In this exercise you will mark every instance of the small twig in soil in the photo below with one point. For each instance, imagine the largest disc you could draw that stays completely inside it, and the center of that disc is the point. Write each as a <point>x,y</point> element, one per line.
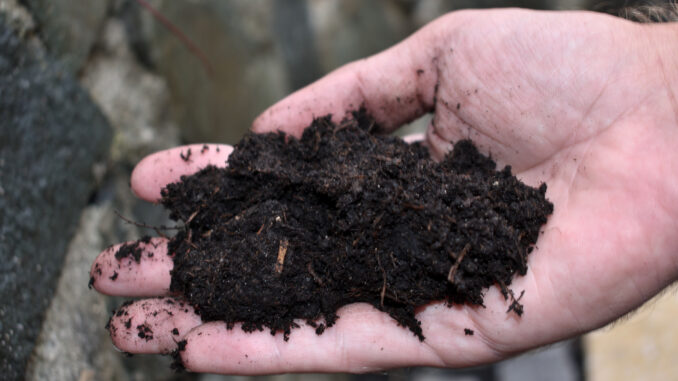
<point>187,156</point>
<point>314,275</point>
<point>191,217</point>
<point>383,285</point>
<point>157,229</point>
<point>261,228</point>
<point>455,266</point>
<point>282,251</point>
<point>189,240</point>
<point>413,206</point>
<point>515,305</point>
<point>504,289</point>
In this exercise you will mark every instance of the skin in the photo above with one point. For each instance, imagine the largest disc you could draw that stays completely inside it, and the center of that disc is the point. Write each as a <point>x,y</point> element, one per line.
<point>584,102</point>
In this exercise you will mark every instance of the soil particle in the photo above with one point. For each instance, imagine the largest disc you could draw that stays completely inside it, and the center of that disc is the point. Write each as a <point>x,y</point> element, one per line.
<point>175,332</point>
<point>122,310</point>
<point>297,228</point>
<point>178,365</point>
<point>468,332</point>
<point>145,332</point>
<point>114,276</point>
<point>133,250</point>
<point>186,157</point>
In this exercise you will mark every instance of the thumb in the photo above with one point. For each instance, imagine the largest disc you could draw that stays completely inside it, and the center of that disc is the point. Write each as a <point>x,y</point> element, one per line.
<point>395,86</point>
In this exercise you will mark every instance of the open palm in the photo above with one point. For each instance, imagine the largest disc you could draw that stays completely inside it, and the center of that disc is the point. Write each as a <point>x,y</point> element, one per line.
<point>583,102</point>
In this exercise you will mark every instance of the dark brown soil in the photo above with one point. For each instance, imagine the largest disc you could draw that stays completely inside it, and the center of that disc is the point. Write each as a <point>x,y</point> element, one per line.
<point>133,250</point>
<point>297,228</point>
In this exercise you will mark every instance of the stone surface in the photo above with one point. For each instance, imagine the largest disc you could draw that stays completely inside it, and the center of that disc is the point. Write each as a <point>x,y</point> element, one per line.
<point>554,363</point>
<point>135,101</point>
<point>73,344</point>
<point>291,26</point>
<point>17,18</point>
<point>248,72</point>
<point>50,136</point>
<point>348,30</point>
<point>642,346</point>
<point>68,28</point>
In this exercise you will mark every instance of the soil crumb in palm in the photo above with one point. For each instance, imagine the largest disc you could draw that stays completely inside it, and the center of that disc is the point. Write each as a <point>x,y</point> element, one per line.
<point>297,228</point>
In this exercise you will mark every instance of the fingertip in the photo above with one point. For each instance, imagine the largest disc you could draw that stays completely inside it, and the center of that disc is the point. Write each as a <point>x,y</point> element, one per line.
<point>395,86</point>
<point>157,170</point>
<point>145,271</point>
<point>151,325</point>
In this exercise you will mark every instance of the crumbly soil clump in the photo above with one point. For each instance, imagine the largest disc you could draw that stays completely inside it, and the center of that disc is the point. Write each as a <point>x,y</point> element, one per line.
<point>297,228</point>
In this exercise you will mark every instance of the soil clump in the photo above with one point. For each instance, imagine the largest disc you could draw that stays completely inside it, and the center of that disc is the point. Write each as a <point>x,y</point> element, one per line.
<point>297,228</point>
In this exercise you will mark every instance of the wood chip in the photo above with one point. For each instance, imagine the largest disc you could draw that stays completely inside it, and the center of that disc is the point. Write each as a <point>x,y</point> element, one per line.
<point>282,251</point>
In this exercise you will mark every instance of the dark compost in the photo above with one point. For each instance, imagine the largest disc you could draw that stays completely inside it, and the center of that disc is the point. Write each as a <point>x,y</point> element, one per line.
<point>296,228</point>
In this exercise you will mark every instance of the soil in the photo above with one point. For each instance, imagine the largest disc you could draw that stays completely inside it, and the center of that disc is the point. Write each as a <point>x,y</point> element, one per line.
<point>133,250</point>
<point>297,228</point>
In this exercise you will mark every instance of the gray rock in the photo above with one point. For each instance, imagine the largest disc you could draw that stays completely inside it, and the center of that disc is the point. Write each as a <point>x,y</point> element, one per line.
<point>348,30</point>
<point>68,28</point>
<point>73,344</point>
<point>248,72</point>
<point>135,101</point>
<point>291,25</point>
<point>555,363</point>
<point>17,17</point>
<point>50,135</point>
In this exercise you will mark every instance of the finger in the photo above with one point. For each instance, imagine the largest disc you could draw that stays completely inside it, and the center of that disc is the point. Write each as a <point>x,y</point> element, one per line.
<point>152,325</point>
<point>362,340</point>
<point>145,271</point>
<point>413,138</point>
<point>157,170</point>
<point>395,86</point>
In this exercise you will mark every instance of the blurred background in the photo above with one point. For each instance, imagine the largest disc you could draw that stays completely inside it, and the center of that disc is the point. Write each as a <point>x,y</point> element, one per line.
<point>88,88</point>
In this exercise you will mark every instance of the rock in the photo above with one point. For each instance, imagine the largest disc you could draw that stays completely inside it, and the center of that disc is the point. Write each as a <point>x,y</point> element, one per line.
<point>348,30</point>
<point>557,363</point>
<point>73,343</point>
<point>17,18</point>
<point>135,101</point>
<point>247,72</point>
<point>68,28</point>
<point>51,134</point>
<point>292,31</point>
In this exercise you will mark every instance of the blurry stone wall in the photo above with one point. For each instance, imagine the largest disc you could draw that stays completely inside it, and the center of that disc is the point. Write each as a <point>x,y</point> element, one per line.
<point>88,88</point>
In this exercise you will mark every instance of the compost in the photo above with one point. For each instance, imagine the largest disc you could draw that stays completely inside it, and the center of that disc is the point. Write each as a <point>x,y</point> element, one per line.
<point>295,228</point>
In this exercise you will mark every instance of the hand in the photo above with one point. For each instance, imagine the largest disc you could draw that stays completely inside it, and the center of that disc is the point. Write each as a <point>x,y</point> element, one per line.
<point>585,102</point>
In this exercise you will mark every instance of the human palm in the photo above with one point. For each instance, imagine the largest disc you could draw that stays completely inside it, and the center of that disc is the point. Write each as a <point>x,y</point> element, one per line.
<point>575,100</point>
